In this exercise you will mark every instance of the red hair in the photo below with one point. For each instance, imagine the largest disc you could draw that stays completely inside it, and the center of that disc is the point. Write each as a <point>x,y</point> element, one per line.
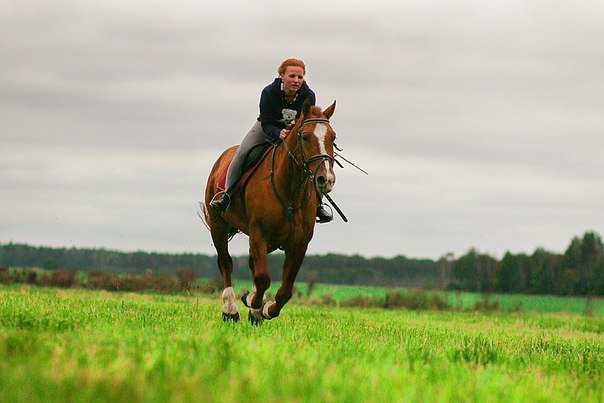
<point>291,62</point>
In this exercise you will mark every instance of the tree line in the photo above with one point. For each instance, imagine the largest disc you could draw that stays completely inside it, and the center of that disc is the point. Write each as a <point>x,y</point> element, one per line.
<point>578,271</point>
<point>331,268</point>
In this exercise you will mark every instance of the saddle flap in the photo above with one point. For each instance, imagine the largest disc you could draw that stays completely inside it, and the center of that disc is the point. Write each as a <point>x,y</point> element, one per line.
<point>253,160</point>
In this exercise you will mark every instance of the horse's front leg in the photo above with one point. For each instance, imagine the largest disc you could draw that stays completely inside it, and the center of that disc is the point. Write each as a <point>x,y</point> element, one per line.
<point>291,266</point>
<point>260,276</point>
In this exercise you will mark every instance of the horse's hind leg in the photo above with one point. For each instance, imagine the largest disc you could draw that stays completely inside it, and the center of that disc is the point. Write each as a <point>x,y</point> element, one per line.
<point>220,236</point>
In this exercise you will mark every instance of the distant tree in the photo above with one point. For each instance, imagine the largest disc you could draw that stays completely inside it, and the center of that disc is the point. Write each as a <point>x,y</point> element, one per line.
<point>50,264</point>
<point>445,266</point>
<point>514,274</point>
<point>547,271</point>
<point>474,272</point>
<point>581,264</point>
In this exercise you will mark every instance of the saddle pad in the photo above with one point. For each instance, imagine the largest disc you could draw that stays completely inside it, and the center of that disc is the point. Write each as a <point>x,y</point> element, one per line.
<point>246,175</point>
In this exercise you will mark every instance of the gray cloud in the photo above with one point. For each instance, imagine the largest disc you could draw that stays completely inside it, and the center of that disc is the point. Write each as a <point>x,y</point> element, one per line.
<point>480,123</point>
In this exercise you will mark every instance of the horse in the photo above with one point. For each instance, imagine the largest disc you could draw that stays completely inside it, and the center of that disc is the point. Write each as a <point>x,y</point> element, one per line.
<point>276,210</point>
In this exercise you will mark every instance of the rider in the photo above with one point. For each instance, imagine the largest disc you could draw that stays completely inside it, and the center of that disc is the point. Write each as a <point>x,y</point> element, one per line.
<point>280,104</point>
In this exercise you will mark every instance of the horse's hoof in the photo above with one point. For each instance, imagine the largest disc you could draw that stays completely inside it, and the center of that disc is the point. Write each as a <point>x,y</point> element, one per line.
<point>244,299</point>
<point>255,321</point>
<point>226,317</point>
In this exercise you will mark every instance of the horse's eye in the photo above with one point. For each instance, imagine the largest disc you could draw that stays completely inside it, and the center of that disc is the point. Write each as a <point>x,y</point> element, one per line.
<point>306,137</point>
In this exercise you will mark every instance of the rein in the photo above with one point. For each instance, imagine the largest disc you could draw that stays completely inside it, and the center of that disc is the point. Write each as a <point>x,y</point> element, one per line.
<point>289,209</point>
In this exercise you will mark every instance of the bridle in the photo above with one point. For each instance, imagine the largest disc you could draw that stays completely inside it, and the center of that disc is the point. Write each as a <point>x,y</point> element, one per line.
<point>303,164</point>
<point>316,157</point>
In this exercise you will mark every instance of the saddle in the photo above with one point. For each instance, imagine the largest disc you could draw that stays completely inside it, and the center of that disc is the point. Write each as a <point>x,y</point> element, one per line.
<point>252,161</point>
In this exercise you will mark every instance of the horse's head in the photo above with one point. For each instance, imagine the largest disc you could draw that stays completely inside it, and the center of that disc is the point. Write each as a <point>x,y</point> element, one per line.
<point>315,138</point>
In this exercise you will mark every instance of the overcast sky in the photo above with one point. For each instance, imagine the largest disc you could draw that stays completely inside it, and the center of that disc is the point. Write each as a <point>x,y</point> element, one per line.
<point>481,123</point>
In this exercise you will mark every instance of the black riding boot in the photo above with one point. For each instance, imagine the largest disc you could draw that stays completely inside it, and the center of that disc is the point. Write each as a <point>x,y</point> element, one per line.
<point>323,215</point>
<point>220,204</point>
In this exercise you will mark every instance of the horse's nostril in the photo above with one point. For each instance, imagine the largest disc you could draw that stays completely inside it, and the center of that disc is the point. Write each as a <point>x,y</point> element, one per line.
<point>321,180</point>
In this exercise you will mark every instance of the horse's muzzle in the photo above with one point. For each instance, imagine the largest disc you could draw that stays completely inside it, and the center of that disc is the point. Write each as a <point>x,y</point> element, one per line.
<point>325,182</point>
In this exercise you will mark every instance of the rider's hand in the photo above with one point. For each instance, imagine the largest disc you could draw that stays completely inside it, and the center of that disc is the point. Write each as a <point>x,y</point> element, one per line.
<point>283,134</point>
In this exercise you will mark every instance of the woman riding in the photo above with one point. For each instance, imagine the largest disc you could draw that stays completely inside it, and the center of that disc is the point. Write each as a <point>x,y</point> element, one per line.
<point>280,104</point>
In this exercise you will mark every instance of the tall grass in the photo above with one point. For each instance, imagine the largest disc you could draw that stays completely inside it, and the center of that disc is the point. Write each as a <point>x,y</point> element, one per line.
<point>81,345</point>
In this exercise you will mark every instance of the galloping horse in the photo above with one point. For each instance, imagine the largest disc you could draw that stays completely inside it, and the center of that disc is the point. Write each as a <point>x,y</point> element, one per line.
<point>276,210</point>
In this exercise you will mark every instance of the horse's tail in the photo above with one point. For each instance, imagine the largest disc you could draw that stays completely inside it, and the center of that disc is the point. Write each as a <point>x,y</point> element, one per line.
<point>204,215</point>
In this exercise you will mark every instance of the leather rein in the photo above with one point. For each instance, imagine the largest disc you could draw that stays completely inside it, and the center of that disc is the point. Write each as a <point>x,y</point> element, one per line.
<point>288,208</point>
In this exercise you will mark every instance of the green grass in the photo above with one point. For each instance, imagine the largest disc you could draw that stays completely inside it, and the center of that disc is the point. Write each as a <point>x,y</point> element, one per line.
<point>78,345</point>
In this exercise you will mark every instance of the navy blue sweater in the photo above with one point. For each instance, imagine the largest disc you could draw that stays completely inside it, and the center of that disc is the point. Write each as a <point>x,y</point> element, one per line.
<point>275,112</point>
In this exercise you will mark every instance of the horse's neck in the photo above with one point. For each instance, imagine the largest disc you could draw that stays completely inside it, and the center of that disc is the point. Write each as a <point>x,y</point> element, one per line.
<point>288,171</point>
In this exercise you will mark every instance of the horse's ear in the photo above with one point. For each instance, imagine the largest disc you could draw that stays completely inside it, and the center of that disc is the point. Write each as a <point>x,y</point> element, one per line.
<point>306,107</point>
<point>329,111</point>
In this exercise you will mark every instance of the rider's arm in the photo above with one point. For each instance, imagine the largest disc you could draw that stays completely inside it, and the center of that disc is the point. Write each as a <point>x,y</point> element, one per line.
<point>266,118</point>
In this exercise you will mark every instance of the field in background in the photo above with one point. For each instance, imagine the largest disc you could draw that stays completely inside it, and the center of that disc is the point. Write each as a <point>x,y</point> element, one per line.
<point>81,345</point>
<point>462,300</point>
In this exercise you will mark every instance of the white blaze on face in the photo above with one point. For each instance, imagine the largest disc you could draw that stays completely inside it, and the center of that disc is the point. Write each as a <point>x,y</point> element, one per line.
<point>321,133</point>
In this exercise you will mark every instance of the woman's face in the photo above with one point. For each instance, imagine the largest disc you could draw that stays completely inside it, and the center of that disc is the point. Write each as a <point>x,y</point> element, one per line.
<point>292,79</point>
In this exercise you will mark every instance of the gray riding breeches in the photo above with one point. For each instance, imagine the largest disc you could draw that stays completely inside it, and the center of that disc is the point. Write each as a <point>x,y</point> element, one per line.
<point>254,138</point>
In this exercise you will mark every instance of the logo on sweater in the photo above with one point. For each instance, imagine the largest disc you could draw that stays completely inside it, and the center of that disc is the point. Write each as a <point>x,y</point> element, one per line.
<point>288,115</point>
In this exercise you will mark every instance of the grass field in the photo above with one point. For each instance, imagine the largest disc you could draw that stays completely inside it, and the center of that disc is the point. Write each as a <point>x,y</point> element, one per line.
<point>78,345</point>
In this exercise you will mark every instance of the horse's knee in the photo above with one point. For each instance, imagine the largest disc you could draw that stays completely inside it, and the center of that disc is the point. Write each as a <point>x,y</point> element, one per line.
<point>262,281</point>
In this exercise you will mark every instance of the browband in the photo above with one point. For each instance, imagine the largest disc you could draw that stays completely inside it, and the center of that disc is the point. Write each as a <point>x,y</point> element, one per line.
<point>314,120</point>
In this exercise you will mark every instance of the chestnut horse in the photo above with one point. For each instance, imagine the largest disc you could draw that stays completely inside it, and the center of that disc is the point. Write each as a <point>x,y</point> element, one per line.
<point>277,210</point>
